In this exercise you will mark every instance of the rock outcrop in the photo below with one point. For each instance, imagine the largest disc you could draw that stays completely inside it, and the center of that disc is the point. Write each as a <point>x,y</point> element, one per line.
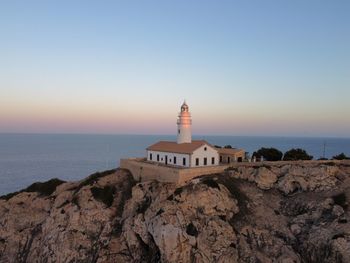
<point>267,213</point>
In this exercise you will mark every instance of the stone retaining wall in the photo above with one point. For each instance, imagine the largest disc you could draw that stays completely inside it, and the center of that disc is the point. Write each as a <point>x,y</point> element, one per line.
<point>144,171</point>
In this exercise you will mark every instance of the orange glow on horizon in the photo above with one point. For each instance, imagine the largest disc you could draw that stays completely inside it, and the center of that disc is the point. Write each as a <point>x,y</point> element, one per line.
<point>108,118</point>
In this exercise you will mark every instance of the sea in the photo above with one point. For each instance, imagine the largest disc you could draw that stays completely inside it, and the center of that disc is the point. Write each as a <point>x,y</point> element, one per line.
<point>29,158</point>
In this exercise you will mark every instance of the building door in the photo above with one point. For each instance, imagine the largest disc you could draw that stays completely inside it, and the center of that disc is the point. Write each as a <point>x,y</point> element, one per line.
<point>166,159</point>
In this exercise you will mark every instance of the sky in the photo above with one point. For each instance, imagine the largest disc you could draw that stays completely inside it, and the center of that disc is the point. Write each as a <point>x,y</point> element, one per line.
<point>270,68</point>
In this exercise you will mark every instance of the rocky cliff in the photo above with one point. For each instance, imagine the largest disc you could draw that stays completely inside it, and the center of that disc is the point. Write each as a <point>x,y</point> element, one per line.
<point>267,213</point>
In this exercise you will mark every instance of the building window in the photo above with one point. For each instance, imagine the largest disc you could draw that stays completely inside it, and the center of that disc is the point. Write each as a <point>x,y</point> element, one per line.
<point>205,161</point>
<point>212,160</point>
<point>184,161</point>
<point>174,159</point>
<point>150,156</point>
<point>228,159</point>
<point>178,131</point>
<point>205,148</point>
<point>197,161</point>
<point>220,158</point>
<point>157,157</point>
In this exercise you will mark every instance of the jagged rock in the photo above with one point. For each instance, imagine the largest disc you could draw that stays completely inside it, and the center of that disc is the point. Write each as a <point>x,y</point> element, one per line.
<point>291,178</point>
<point>342,246</point>
<point>265,178</point>
<point>268,213</point>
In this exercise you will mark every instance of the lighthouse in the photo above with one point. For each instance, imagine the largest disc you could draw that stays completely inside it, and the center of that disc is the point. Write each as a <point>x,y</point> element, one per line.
<point>184,123</point>
<point>187,153</point>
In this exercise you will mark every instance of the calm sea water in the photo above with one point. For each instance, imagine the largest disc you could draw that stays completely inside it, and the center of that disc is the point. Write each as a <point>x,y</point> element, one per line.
<point>28,158</point>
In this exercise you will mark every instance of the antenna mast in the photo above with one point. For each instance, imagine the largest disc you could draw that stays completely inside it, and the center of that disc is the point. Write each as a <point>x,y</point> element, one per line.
<point>324,149</point>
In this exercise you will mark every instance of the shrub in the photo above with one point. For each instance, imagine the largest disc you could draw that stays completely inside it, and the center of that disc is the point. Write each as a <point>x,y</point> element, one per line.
<point>105,194</point>
<point>9,196</point>
<point>93,178</point>
<point>44,188</point>
<point>341,156</point>
<point>269,154</point>
<point>296,154</point>
<point>210,183</point>
<point>228,146</point>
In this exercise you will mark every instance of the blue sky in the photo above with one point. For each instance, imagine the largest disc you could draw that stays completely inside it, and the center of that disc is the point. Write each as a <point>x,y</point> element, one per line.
<point>244,67</point>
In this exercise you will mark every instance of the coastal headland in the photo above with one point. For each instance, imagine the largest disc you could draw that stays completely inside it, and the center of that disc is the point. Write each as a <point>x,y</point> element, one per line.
<point>261,212</point>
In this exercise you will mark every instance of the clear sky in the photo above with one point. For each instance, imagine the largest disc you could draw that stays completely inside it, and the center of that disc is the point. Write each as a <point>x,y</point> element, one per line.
<point>244,67</point>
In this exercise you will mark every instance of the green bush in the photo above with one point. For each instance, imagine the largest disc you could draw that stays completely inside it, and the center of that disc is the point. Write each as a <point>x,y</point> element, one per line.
<point>9,195</point>
<point>44,188</point>
<point>341,156</point>
<point>269,154</point>
<point>296,154</point>
<point>91,179</point>
<point>105,194</point>
<point>210,183</point>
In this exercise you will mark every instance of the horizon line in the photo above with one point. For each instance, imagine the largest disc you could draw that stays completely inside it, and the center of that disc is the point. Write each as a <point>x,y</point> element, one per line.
<point>174,135</point>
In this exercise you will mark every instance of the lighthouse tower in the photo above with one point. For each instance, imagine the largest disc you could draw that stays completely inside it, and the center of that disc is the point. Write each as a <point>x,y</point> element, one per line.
<point>184,123</point>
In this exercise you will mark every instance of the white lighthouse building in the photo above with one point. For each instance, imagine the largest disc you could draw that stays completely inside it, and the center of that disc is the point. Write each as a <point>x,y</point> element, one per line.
<point>184,152</point>
<point>181,160</point>
<point>184,123</point>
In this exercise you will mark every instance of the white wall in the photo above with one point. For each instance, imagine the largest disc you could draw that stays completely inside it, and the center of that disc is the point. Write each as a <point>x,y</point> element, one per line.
<point>184,134</point>
<point>201,153</point>
<point>179,158</point>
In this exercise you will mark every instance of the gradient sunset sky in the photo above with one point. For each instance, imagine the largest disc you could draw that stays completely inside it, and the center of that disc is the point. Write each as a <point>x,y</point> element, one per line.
<point>244,67</point>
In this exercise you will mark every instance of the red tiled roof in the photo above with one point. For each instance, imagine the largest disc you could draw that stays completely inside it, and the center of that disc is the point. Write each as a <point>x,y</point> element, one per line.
<point>174,147</point>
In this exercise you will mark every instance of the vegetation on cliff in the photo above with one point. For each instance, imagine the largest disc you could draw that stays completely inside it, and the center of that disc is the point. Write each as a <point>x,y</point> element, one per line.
<point>283,212</point>
<point>340,156</point>
<point>269,154</point>
<point>296,154</point>
<point>43,188</point>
